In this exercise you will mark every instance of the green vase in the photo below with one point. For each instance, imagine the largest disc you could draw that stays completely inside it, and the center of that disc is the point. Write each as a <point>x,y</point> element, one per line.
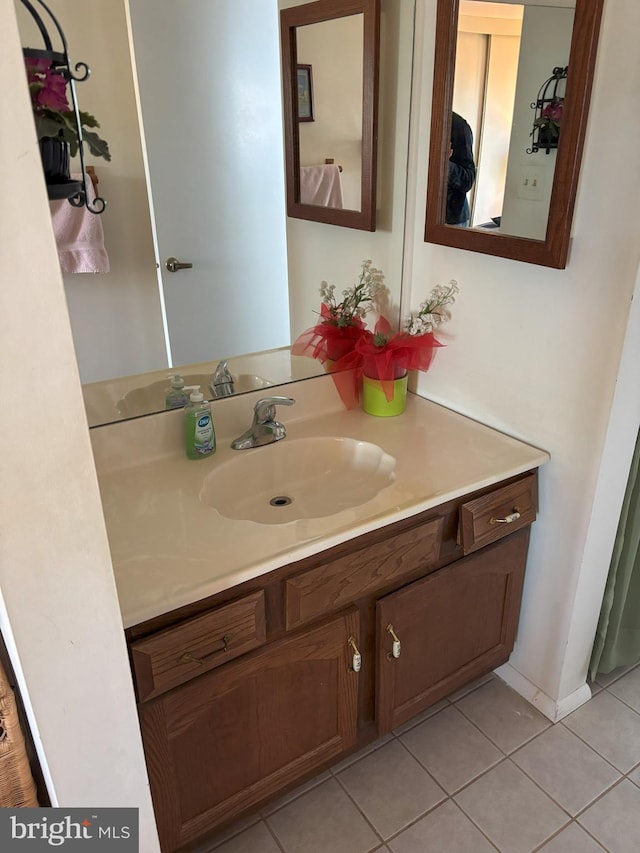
<point>374,400</point>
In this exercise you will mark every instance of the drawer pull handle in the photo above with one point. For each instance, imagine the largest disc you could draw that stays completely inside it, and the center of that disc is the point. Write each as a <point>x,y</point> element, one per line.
<point>508,519</point>
<point>190,657</point>
<point>357,657</point>
<point>394,654</point>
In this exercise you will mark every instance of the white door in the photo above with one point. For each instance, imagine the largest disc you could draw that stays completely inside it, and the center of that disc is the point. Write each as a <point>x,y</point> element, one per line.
<point>208,75</point>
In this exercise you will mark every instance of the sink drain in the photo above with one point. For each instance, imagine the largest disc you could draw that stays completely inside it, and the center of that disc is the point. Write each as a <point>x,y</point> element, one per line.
<point>280,500</point>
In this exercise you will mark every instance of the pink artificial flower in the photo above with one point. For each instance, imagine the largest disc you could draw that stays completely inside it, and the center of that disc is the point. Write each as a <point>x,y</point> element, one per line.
<point>36,67</point>
<point>48,87</point>
<point>553,111</point>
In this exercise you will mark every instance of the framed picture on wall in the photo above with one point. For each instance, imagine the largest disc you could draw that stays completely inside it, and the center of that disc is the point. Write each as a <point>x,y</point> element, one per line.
<point>305,93</point>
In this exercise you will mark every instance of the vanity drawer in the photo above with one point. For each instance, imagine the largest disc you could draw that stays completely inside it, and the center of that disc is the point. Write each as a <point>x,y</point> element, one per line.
<point>498,514</point>
<point>338,582</point>
<point>197,645</point>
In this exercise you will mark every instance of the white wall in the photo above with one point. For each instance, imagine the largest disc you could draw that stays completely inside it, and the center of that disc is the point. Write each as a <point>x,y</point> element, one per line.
<point>535,352</point>
<point>59,612</point>
<point>115,316</point>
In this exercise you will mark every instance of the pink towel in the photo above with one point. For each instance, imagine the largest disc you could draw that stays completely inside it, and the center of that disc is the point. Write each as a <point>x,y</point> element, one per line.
<point>79,236</point>
<point>321,185</point>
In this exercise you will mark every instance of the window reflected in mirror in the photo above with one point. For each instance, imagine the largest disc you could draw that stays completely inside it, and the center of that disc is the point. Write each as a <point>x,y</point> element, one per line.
<point>504,53</point>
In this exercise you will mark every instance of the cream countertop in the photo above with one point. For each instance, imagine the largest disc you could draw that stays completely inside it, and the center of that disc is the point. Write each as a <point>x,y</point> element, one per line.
<point>169,549</point>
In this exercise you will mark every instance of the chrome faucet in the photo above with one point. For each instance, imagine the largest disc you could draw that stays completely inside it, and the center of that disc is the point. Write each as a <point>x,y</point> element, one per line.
<point>221,384</point>
<point>265,429</point>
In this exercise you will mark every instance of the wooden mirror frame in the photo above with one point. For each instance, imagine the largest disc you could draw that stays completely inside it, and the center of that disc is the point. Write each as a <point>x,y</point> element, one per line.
<point>314,13</point>
<point>553,250</point>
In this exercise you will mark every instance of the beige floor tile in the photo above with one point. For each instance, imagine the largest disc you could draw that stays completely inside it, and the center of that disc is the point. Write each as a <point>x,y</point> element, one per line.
<point>324,820</point>
<point>604,679</point>
<point>566,768</point>
<point>503,715</point>
<point>294,794</point>
<point>351,759</point>
<point>446,828</point>
<point>573,839</point>
<point>627,689</point>
<point>473,685</point>
<point>615,819</point>
<point>257,839</point>
<point>451,749</point>
<point>391,788</point>
<point>233,830</point>
<point>515,814</point>
<point>609,727</point>
<point>420,718</point>
<point>635,776</point>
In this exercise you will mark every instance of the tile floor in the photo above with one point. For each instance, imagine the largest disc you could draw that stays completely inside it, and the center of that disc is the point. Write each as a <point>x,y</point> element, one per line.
<point>479,772</point>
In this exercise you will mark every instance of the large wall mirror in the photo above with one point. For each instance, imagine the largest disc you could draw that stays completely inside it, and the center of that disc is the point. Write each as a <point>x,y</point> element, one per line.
<point>203,80</point>
<point>511,91</point>
<point>330,57</point>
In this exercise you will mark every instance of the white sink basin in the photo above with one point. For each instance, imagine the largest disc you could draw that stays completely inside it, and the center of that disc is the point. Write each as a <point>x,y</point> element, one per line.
<point>151,398</point>
<point>298,478</point>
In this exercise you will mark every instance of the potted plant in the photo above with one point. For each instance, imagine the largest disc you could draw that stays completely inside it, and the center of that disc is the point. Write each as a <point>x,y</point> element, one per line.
<point>341,321</point>
<point>380,360</point>
<point>548,124</point>
<point>55,122</point>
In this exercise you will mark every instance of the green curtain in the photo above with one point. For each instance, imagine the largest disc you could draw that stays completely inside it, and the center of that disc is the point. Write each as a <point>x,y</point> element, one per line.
<point>617,641</point>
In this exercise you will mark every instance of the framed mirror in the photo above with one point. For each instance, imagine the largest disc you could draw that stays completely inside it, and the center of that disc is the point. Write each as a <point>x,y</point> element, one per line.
<point>532,210</point>
<point>119,320</point>
<point>330,119</point>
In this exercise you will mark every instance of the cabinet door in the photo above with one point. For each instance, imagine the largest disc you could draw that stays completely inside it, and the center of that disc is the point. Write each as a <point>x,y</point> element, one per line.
<point>452,626</point>
<point>238,734</point>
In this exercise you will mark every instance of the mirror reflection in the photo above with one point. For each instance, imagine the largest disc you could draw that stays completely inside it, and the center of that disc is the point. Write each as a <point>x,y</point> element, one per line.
<point>330,112</point>
<point>122,321</point>
<point>504,54</point>
<point>533,223</point>
<point>331,69</point>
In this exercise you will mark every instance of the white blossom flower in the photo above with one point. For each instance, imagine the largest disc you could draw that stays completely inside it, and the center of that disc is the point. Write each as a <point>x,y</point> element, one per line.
<point>357,300</point>
<point>432,312</point>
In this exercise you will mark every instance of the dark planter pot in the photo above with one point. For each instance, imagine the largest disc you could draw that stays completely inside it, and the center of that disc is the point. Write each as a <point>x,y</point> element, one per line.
<point>55,160</point>
<point>55,163</point>
<point>547,140</point>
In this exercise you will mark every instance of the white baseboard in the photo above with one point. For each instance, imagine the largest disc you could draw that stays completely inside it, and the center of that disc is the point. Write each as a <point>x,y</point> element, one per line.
<point>554,709</point>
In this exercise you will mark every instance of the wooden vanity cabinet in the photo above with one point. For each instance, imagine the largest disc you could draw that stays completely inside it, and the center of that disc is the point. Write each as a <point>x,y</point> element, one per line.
<point>247,693</point>
<point>242,732</point>
<point>452,626</point>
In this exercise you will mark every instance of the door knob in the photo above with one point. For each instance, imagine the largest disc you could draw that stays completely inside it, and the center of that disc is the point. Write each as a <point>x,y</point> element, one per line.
<point>173,265</point>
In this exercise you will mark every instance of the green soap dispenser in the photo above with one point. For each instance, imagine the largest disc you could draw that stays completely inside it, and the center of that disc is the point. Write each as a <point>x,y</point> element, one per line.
<point>199,434</point>
<point>176,396</point>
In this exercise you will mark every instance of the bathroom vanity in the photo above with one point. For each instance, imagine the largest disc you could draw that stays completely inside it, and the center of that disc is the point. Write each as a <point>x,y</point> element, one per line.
<point>263,653</point>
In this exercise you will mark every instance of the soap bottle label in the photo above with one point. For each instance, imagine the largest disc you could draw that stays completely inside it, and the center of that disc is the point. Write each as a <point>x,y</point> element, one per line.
<point>177,400</point>
<point>204,439</point>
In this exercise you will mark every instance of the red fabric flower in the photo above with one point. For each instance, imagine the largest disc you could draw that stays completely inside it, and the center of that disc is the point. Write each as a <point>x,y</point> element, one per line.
<point>328,341</point>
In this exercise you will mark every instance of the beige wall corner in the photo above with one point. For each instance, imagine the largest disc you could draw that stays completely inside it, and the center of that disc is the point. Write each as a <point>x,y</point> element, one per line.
<point>61,618</point>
